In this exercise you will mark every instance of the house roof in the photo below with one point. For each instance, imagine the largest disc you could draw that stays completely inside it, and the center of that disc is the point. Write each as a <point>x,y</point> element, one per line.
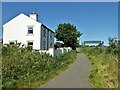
<point>19,16</point>
<point>47,28</point>
<point>29,18</point>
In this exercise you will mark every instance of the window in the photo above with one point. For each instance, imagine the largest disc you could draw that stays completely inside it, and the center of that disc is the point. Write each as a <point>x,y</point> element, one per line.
<point>30,30</point>
<point>11,43</point>
<point>51,44</point>
<point>51,35</point>
<point>44,32</point>
<point>30,43</point>
<point>44,43</point>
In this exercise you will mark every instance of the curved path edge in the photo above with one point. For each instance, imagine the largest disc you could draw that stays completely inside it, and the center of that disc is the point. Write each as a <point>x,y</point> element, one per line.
<point>76,76</point>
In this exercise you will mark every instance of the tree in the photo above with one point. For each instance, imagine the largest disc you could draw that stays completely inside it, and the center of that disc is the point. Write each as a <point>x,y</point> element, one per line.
<point>112,42</point>
<point>68,33</point>
<point>113,46</point>
<point>58,45</point>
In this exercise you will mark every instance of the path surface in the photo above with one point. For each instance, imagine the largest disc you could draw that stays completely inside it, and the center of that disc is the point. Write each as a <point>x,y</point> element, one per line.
<point>76,76</point>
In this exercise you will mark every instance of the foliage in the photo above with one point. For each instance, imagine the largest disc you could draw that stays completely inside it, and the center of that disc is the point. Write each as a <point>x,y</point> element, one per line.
<point>105,64</point>
<point>113,47</point>
<point>22,67</point>
<point>105,67</point>
<point>68,34</point>
<point>58,45</point>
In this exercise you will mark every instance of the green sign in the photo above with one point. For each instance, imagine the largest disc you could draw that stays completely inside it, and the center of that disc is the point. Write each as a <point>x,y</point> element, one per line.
<point>92,42</point>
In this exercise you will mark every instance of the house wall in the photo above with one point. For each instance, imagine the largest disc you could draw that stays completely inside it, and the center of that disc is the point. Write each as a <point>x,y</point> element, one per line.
<point>57,52</point>
<point>51,51</point>
<point>49,42</point>
<point>44,38</point>
<point>17,29</point>
<point>51,39</point>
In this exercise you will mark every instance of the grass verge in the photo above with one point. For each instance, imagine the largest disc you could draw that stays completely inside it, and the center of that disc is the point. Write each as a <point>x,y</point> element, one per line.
<point>105,68</point>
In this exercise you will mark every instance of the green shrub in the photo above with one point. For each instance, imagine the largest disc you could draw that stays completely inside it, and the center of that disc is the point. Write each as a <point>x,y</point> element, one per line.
<point>22,67</point>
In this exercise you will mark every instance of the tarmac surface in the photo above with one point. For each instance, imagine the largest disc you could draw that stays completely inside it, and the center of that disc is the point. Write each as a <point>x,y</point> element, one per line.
<point>76,76</point>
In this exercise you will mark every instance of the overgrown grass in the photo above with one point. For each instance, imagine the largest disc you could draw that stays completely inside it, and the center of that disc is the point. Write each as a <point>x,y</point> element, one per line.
<point>23,68</point>
<point>105,68</point>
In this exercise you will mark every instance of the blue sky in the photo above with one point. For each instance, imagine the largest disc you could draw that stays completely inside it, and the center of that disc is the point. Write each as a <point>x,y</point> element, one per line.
<point>97,21</point>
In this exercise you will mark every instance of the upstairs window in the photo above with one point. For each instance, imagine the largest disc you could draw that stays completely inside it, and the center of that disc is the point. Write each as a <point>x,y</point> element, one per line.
<point>44,43</point>
<point>51,35</point>
<point>44,32</point>
<point>30,30</point>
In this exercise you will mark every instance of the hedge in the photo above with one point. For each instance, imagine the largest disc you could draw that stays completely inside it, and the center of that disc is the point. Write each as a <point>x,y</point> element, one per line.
<point>22,67</point>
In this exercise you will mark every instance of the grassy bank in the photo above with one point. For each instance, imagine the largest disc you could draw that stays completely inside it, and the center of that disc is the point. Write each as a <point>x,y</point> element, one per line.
<point>105,67</point>
<point>22,68</point>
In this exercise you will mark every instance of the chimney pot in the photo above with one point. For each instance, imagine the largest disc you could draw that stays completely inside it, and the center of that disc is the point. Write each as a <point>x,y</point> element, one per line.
<point>34,16</point>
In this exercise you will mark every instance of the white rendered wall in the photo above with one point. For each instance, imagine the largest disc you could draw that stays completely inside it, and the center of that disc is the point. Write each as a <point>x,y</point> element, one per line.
<point>51,51</point>
<point>17,29</point>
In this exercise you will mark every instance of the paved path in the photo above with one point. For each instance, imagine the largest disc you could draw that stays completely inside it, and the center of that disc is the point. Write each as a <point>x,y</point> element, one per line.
<point>76,76</point>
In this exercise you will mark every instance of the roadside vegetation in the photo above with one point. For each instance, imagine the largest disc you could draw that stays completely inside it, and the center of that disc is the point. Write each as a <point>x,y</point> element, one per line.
<point>23,68</point>
<point>104,64</point>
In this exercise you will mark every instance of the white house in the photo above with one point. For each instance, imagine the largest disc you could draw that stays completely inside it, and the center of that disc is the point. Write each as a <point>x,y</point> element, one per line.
<point>28,31</point>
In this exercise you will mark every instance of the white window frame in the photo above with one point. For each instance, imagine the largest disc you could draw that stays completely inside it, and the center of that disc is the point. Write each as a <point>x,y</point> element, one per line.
<point>30,27</point>
<point>12,41</point>
<point>30,41</point>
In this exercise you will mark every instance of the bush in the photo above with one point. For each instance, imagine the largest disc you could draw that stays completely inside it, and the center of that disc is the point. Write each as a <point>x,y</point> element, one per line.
<point>23,68</point>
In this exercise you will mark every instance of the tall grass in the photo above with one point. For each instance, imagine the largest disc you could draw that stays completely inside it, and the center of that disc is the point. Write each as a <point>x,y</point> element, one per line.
<point>105,68</point>
<point>23,68</point>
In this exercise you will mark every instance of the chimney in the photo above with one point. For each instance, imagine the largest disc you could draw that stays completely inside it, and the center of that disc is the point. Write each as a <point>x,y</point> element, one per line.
<point>34,16</point>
